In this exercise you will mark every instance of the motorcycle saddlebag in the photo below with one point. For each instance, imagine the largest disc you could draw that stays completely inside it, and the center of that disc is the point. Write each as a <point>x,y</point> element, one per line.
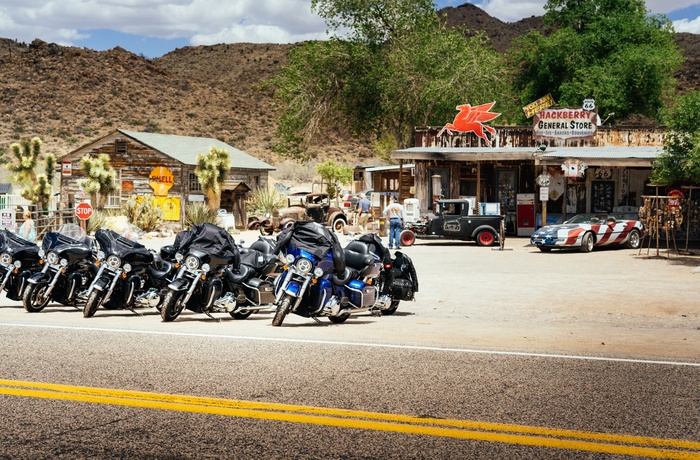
<point>403,289</point>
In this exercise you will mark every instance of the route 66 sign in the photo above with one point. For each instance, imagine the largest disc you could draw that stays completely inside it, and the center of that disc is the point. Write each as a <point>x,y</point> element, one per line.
<point>588,104</point>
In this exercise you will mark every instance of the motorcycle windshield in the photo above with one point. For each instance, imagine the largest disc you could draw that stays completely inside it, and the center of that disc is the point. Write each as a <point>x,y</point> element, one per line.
<point>315,239</point>
<point>67,234</point>
<point>112,242</point>
<point>10,241</point>
<point>210,239</point>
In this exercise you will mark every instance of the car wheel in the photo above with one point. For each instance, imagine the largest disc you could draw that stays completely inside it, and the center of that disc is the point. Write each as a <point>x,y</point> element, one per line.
<point>485,238</point>
<point>634,240</point>
<point>407,238</point>
<point>544,248</point>
<point>338,225</point>
<point>587,242</point>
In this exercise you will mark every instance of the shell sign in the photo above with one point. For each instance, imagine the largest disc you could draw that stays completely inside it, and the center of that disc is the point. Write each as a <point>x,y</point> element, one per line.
<point>160,180</point>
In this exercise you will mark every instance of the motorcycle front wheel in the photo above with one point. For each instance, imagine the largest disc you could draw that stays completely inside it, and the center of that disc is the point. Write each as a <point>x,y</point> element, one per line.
<point>32,297</point>
<point>169,309</point>
<point>93,301</point>
<point>282,310</point>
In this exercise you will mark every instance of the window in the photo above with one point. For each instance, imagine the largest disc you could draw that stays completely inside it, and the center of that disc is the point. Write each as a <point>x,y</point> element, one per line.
<point>194,184</point>
<point>114,199</point>
<point>120,146</point>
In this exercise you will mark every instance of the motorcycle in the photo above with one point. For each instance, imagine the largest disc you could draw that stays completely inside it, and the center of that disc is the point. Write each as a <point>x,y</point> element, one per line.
<point>252,284</point>
<point>320,278</point>
<point>129,275</point>
<point>397,279</point>
<point>202,254</point>
<point>68,265</point>
<point>19,258</point>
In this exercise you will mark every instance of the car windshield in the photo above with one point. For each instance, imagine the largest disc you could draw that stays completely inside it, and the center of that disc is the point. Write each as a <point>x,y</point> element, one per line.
<point>588,219</point>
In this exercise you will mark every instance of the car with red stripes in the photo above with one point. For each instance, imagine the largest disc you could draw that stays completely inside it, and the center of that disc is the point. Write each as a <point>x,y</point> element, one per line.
<point>586,231</point>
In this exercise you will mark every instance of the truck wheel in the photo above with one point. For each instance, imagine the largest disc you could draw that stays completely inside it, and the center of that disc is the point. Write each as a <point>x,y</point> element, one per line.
<point>407,238</point>
<point>485,238</point>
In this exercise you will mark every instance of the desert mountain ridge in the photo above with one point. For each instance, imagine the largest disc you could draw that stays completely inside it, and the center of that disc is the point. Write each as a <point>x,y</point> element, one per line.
<point>70,96</point>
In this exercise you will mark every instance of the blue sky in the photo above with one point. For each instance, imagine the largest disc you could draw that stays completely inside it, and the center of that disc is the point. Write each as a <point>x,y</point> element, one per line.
<point>155,27</point>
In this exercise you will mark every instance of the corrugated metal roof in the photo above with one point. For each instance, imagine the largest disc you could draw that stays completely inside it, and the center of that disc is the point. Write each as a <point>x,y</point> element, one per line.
<point>522,153</point>
<point>603,152</point>
<point>5,189</point>
<point>185,148</point>
<point>388,168</point>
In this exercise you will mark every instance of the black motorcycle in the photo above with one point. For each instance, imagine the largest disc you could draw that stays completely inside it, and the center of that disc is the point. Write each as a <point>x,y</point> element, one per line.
<point>19,258</point>
<point>68,269</point>
<point>203,253</point>
<point>397,280</point>
<point>129,275</point>
<point>251,285</point>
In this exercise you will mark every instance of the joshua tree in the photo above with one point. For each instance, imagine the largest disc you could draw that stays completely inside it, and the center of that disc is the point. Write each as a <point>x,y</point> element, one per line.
<point>212,170</point>
<point>100,180</point>
<point>26,156</point>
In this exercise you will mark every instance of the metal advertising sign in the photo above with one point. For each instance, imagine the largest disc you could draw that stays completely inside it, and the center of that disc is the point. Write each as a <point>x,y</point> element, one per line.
<point>471,120</point>
<point>565,123</point>
<point>160,180</point>
<point>539,105</point>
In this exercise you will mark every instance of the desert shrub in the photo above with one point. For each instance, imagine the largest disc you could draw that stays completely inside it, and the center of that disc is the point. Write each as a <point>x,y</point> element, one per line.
<point>265,200</point>
<point>99,219</point>
<point>142,212</point>
<point>199,213</point>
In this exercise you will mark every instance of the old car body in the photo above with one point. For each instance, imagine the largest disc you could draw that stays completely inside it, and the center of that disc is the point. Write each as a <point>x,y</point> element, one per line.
<point>316,207</point>
<point>452,220</point>
<point>586,231</point>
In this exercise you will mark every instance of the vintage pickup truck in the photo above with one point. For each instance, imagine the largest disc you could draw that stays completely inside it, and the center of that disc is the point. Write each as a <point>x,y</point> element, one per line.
<point>452,220</point>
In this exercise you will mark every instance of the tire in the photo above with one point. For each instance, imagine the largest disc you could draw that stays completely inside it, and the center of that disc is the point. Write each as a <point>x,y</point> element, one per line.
<point>587,242</point>
<point>169,311</point>
<point>485,238</point>
<point>239,315</point>
<point>339,225</point>
<point>282,310</point>
<point>339,319</point>
<point>407,238</point>
<point>544,248</point>
<point>392,308</point>
<point>93,301</point>
<point>31,293</point>
<point>266,228</point>
<point>634,240</point>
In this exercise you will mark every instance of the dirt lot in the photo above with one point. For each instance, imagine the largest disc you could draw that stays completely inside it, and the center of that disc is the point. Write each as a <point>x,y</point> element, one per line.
<point>611,302</point>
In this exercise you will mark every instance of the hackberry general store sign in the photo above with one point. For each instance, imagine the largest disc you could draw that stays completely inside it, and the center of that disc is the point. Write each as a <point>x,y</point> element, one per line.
<point>565,123</point>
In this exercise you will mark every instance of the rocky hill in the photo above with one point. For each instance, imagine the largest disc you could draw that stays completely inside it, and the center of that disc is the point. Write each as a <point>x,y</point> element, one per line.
<point>70,96</point>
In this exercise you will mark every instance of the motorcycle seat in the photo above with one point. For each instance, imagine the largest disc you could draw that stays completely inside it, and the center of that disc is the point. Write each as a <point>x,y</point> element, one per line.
<point>162,271</point>
<point>261,246</point>
<point>244,272</point>
<point>357,256</point>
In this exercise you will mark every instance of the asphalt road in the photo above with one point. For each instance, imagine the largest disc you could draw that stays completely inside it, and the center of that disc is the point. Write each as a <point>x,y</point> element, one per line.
<point>504,354</point>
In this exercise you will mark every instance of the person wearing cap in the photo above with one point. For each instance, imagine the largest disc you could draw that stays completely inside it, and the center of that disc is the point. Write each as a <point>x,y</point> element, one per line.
<point>363,212</point>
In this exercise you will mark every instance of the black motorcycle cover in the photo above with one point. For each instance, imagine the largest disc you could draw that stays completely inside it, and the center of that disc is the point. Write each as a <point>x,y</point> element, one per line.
<point>315,239</point>
<point>210,239</point>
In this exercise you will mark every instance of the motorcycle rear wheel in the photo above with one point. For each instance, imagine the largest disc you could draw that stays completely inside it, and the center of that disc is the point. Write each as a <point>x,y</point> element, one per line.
<point>392,308</point>
<point>339,319</point>
<point>282,310</point>
<point>169,310</point>
<point>31,295</point>
<point>93,302</point>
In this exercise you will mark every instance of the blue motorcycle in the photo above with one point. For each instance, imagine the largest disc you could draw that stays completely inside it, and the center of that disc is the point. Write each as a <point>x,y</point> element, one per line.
<point>320,278</point>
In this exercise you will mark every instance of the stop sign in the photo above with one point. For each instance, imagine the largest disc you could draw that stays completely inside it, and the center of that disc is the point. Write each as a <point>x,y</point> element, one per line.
<point>83,211</point>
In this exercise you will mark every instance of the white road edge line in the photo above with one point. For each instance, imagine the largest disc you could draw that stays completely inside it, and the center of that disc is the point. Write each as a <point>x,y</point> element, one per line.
<point>359,344</point>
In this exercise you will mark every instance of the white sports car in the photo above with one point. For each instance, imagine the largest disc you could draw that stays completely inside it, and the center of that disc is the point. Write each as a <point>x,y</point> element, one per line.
<point>588,230</point>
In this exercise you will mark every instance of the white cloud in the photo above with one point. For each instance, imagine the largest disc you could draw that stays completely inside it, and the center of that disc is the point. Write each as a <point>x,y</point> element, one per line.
<point>510,11</point>
<point>685,25</point>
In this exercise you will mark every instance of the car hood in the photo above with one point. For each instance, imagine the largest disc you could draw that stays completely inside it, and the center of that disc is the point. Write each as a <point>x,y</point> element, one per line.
<point>556,228</point>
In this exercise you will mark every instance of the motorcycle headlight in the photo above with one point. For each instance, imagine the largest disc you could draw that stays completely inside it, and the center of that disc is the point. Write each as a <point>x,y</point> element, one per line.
<point>5,258</point>
<point>318,272</point>
<point>52,258</point>
<point>18,264</point>
<point>304,265</point>
<point>289,258</point>
<point>179,257</point>
<point>127,268</point>
<point>101,255</point>
<point>206,268</point>
<point>192,262</point>
<point>42,253</point>
<point>114,262</point>
<point>64,262</point>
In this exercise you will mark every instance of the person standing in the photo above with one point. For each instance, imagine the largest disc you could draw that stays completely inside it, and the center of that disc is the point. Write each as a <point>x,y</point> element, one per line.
<point>397,216</point>
<point>28,230</point>
<point>363,208</point>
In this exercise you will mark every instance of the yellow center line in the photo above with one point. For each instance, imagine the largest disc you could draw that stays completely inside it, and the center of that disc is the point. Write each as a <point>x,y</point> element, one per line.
<point>343,418</point>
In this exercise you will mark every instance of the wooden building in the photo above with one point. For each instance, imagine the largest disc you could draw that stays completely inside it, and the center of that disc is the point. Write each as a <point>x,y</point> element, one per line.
<point>163,165</point>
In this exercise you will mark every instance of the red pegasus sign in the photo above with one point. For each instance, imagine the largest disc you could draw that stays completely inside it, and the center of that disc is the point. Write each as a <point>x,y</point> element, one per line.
<point>471,119</point>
